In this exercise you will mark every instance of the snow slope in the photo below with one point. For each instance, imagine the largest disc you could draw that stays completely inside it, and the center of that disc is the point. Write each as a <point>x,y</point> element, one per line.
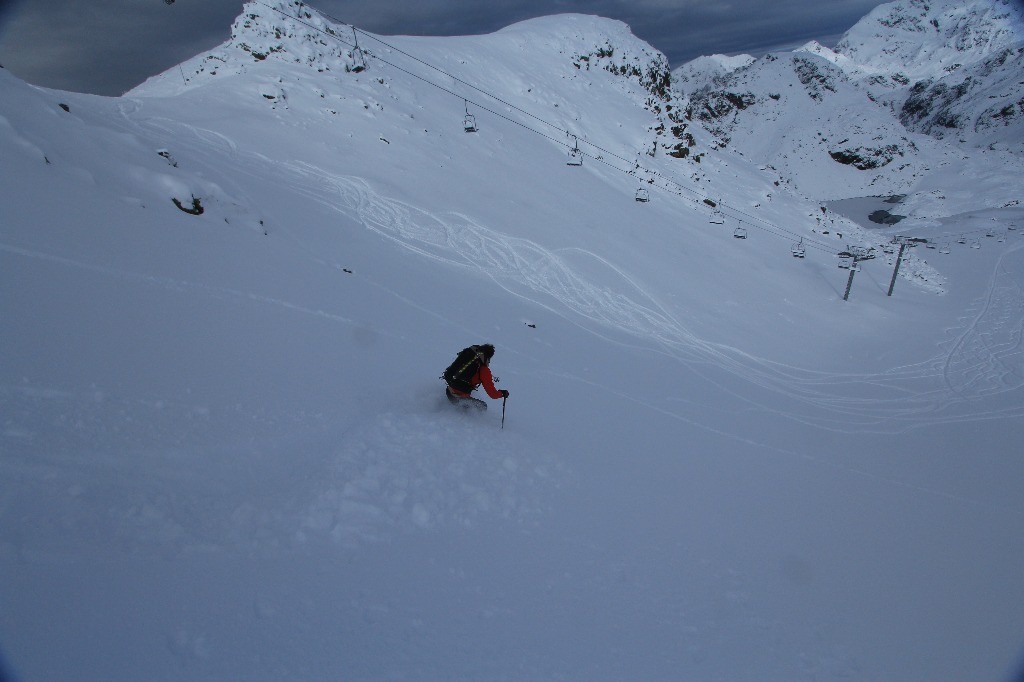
<point>225,453</point>
<point>863,119</point>
<point>801,115</point>
<point>949,69</point>
<point>930,38</point>
<point>704,71</point>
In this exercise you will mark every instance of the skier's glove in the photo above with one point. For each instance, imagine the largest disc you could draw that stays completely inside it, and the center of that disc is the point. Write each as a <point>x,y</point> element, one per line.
<point>504,393</point>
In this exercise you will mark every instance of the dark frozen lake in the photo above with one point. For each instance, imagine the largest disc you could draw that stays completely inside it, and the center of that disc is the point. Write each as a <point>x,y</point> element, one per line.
<point>861,210</point>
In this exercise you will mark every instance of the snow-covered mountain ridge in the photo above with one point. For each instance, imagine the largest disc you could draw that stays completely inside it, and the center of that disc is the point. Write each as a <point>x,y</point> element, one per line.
<point>982,103</point>
<point>225,452</point>
<point>950,69</point>
<point>810,111</point>
<point>270,31</point>
<point>704,71</point>
<point>923,39</point>
<point>803,116</point>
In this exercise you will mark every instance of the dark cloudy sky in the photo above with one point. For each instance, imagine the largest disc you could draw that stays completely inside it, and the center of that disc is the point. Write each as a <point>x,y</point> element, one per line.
<point>109,46</point>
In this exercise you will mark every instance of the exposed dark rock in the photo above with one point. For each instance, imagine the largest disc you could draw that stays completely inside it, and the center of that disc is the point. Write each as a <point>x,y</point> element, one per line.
<point>814,77</point>
<point>866,158</point>
<point>883,217</point>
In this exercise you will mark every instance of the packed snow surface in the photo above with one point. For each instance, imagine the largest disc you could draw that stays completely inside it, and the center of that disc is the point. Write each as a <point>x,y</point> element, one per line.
<point>225,452</point>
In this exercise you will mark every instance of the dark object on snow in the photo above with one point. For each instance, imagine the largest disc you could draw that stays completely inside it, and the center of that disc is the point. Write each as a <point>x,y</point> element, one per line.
<point>167,155</point>
<point>197,208</point>
<point>65,107</point>
<point>883,217</point>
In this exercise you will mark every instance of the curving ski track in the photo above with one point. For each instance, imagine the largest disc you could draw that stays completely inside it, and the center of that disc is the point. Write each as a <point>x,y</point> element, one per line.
<point>982,361</point>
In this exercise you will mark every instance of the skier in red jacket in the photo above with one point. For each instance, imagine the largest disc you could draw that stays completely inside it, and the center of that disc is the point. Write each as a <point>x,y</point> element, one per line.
<point>467,373</point>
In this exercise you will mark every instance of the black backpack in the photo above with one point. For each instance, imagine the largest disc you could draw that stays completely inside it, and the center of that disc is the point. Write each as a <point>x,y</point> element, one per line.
<point>460,373</point>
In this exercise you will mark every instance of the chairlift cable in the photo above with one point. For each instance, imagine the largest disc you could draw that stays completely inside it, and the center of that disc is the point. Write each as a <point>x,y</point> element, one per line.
<point>764,225</point>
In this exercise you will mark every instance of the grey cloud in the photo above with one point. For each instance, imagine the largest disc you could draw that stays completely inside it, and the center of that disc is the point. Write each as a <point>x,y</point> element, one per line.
<point>107,46</point>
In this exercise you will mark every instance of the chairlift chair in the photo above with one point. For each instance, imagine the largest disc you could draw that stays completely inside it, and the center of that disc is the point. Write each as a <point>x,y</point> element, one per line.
<point>976,244</point>
<point>845,259</point>
<point>798,249</point>
<point>469,122</point>
<point>1002,237</point>
<point>642,195</point>
<point>575,155</point>
<point>357,64</point>
<point>944,248</point>
<point>358,61</point>
<point>717,217</point>
<point>740,233</point>
<point>962,240</point>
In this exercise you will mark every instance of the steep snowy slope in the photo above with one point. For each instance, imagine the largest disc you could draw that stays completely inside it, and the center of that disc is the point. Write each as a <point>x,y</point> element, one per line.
<point>930,38</point>
<point>981,104</point>
<point>704,71</point>
<point>948,68</point>
<point>320,52</point>
<point>842,123</point>
<point>224,451</point>
<point>800,114</point>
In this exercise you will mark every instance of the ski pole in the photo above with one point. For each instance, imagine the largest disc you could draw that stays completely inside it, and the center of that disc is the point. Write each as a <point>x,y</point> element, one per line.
<point>503,401</point>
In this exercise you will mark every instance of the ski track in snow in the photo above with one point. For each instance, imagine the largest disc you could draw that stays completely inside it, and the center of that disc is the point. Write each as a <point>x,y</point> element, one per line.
<point>458,240</point>
<point>982,361</point>
<point>985,358</point>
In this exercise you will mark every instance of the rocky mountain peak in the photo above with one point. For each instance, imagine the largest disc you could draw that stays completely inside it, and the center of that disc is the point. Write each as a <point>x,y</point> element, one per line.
<point>929,38</point>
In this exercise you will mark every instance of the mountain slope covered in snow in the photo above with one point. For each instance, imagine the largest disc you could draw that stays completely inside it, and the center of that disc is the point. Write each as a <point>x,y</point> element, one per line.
<point>925,38</point>
<point>951,70</point>
<point>228,295</point>
<point>704,71</point>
